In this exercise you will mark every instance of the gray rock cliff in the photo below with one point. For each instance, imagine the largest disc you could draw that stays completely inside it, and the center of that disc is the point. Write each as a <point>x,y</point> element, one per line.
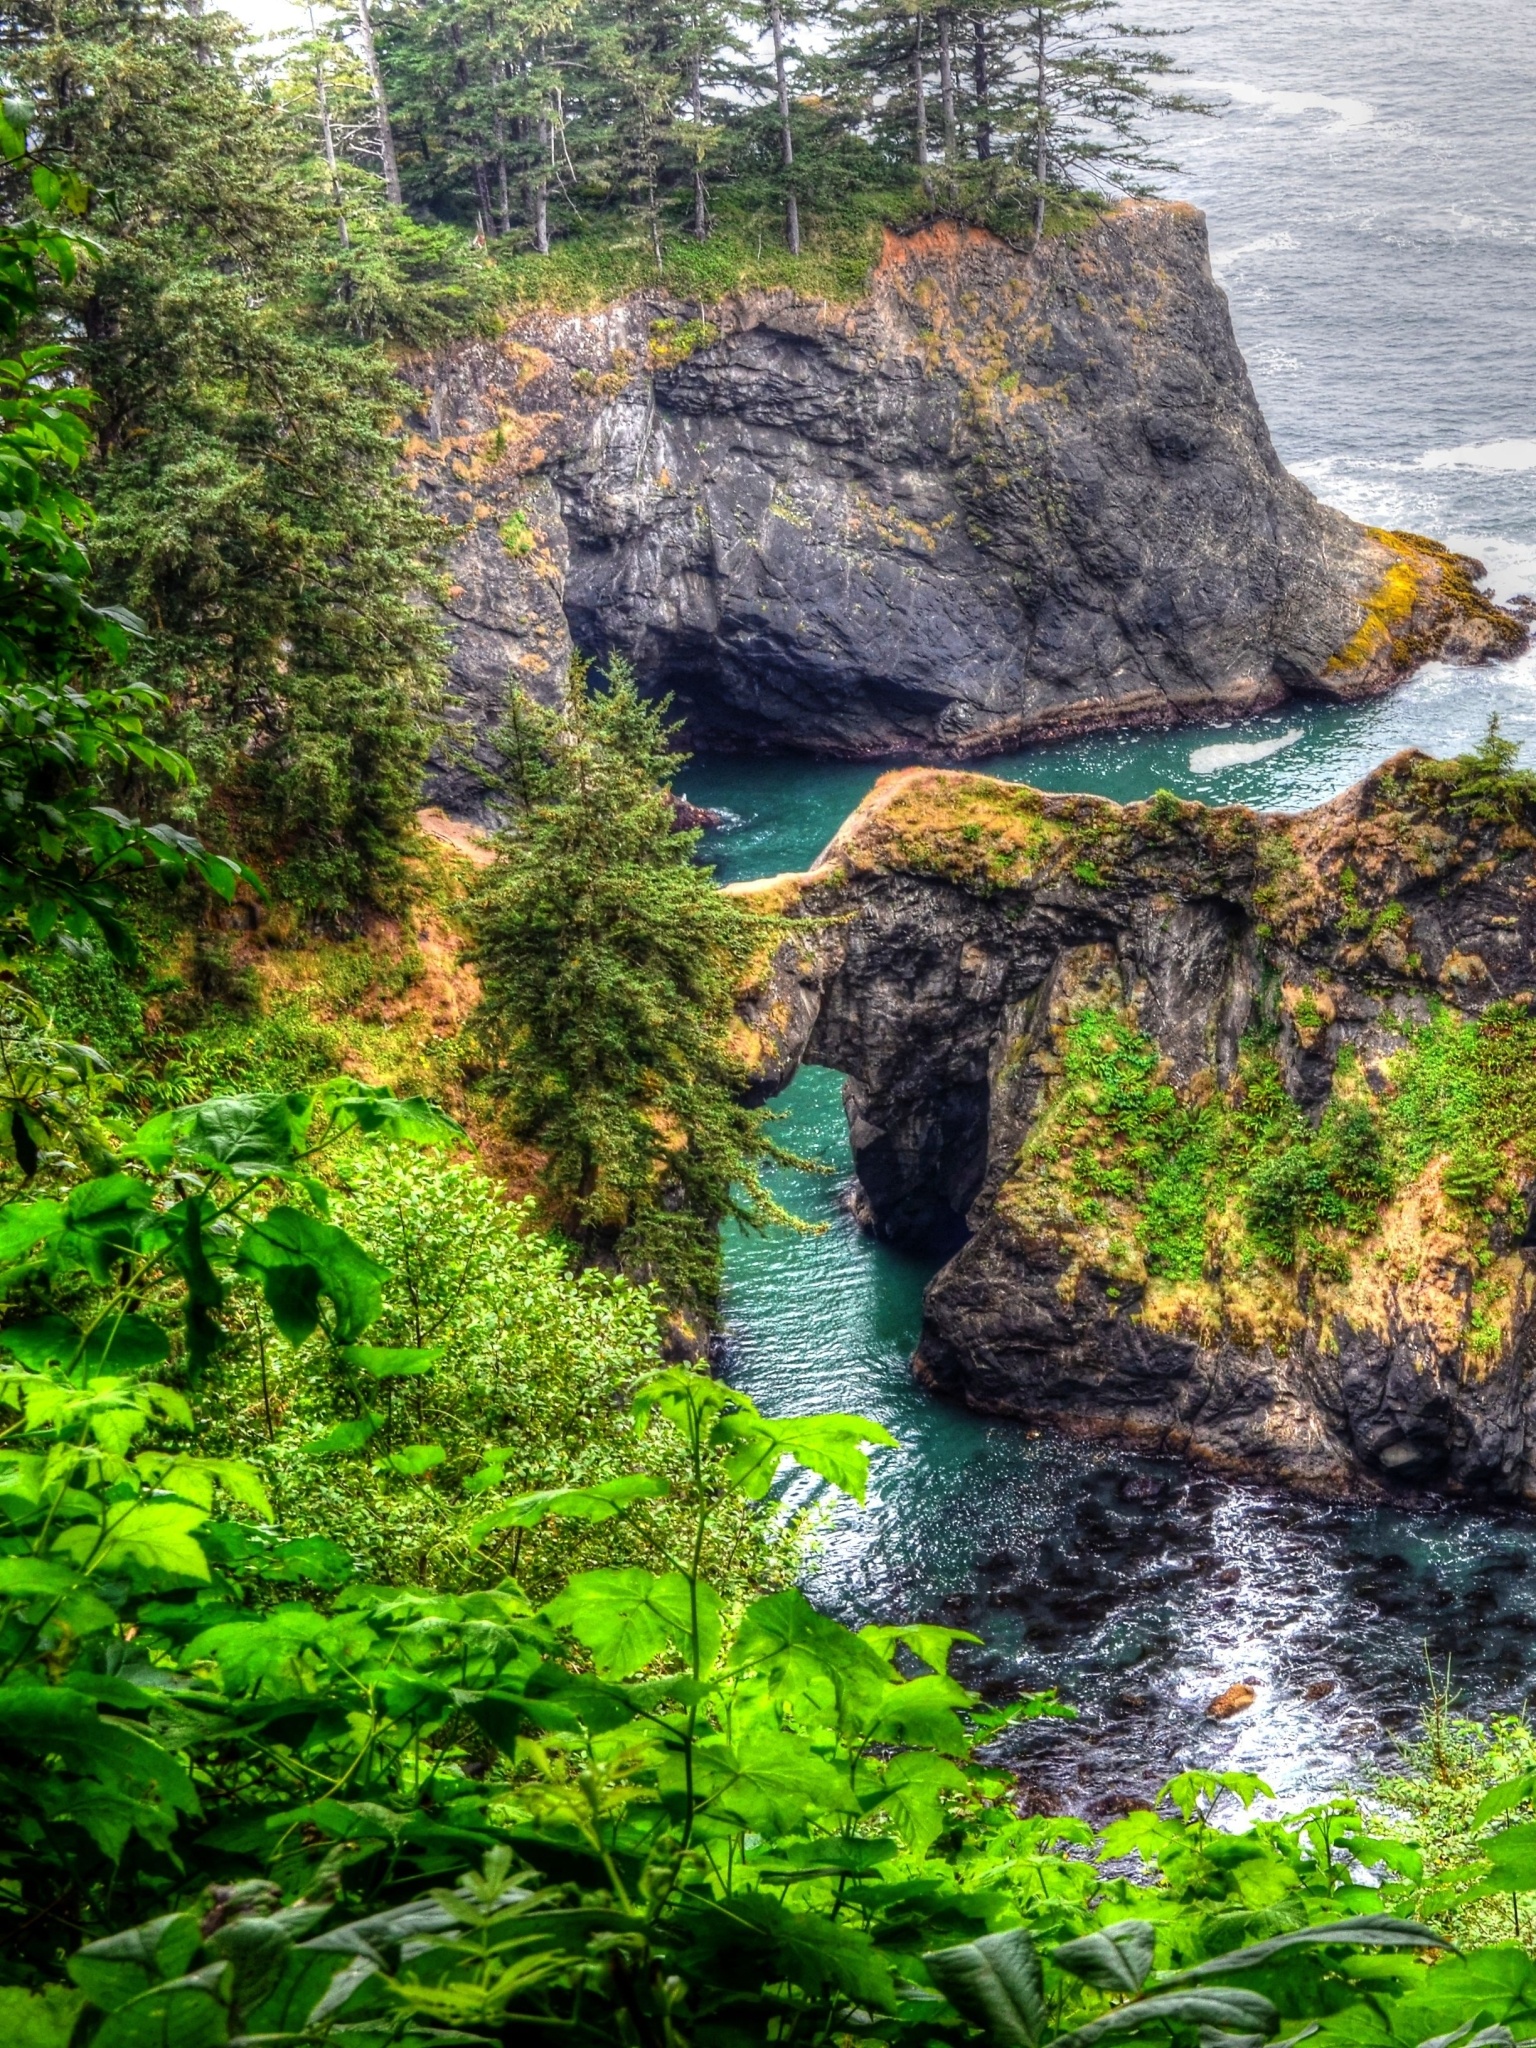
<point>1008,496</point>
<point>1095,1053</point>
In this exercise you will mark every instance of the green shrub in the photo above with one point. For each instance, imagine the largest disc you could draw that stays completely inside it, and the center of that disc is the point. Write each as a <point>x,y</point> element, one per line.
<point>535,1366</point>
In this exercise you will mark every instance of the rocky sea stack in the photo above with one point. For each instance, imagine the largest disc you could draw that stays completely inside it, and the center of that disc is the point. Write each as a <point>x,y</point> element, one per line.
<point>1007,496</point>
<point>1229,1120</point>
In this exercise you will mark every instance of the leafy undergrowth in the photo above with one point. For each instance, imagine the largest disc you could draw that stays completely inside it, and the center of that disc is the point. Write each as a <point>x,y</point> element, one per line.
<point>1453,1779</point>
<point>259,1796</point>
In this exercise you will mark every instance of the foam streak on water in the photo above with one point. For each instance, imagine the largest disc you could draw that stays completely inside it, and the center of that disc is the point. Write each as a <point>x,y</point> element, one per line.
<point>1371,187</point>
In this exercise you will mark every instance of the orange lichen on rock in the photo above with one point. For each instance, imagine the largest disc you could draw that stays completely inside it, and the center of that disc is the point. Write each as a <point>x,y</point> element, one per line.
<point>1426,605</point>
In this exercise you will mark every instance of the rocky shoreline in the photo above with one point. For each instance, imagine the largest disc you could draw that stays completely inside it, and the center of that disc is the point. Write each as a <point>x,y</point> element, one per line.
<point>1227,1121</point>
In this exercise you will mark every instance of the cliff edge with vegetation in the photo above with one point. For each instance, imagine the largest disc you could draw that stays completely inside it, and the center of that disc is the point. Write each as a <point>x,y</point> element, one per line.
<point>1228,1119</point>
<point>1003,496</point>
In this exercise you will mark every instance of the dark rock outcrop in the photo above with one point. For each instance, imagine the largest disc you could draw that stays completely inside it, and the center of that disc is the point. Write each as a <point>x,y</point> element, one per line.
<point>1008,496</point>
<point>1101,1050</point>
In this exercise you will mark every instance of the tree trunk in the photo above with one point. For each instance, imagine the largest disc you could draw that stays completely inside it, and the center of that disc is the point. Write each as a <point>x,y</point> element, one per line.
<point>544,139</point>
<point>700,198</point>
<point>979,80</point>
<point>380,104</point>
<point>328,140</point>
<point>919,95</point>
<point>483,201</point>
<point>1042,159</point>
<point>503,196</point>
<point>541,189</point>
<point>786,137</point>
<point>947,82</point>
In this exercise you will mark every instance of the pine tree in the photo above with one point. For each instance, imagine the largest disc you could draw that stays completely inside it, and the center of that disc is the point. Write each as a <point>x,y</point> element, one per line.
<point>610,962</point>
<point>246,482</point>
<point>1083,85</point>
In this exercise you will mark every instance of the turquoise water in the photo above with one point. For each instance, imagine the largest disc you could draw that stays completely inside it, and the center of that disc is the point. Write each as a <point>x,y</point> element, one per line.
<point>782,812</point>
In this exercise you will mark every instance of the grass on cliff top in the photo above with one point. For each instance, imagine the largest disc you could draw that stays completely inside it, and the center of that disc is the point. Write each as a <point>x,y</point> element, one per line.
<point>612,255</point>
<point>745,252</point>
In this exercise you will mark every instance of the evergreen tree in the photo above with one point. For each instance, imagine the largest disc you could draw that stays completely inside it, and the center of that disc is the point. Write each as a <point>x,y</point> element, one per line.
<point>609,962</point>
<point>247,485</point>
<point>1081,86</point>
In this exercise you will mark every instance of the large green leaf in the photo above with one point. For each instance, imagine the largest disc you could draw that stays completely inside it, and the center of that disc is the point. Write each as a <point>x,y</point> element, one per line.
<point>1501,1797</point>
<point>123,1966</point>
<point>627,1617</point>
<point>832,1445</point>
<point>596,1503</point>
<point>810,1662</point>
<point>249,1137</point>
<point>1512,1855</point>
<point>1361,1930</point>
<point>42,1340</point>
<point>1117,1958</point>
<point>387,1361</point>
<point>768,1782</point>
<point>1214,2007</point>
<point>299,1260</point>
<point>378,1113</point>
<point>997,1984</point>
<point>412,1461</point>
<point>343,1437</point>
<point>125,1343</point>
<point>39,2019</point>
<point>189,2012</point>
<point>101,1225</point>
<point>154,1535</point>
<point>27,1226</point>
<point>818,1954</point>
<point>913,1790</point>
<point>929,1643</point>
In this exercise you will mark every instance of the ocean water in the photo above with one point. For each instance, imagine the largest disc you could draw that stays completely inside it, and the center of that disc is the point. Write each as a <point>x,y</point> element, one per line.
<point>1370,180</point>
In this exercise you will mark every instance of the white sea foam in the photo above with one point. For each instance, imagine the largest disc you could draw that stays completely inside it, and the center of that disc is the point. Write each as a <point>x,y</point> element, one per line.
<point>1492,457</point>
<point>1261,245</point>
<point>1348,113</point>
<point>1238,753</point>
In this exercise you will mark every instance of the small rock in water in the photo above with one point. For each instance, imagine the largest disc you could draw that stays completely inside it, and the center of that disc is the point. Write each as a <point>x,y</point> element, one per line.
<point>1229,1577</point>
<point>1320,1688</point>
<point>1235,1700</point>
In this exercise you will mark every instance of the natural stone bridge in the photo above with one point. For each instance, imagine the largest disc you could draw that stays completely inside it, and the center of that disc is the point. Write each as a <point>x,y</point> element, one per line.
<point>1228,1121</point>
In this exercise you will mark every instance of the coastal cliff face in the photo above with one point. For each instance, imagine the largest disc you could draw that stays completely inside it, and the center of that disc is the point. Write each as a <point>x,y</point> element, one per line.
<point>1007,496</point>
<point>1232,1117</point>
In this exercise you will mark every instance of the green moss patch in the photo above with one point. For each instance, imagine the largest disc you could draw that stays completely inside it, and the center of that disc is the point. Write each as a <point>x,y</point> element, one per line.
<point>1226,1188</point>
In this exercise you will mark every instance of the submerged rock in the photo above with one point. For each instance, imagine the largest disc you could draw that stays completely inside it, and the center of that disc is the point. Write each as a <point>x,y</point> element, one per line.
<point>1228,1120</point>
<point>1007,496</point>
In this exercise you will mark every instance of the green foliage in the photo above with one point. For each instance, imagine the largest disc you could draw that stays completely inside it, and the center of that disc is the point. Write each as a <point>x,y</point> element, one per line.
<point>607,128</point>
<point>1467,1087</point>
<point>66,728</point>
<point>610,963</point>
<point>1190,1166</point>
<point>248,499</point>
<point>490,1349</point>
<point>1490,789</point>
<point>259,1799</point>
